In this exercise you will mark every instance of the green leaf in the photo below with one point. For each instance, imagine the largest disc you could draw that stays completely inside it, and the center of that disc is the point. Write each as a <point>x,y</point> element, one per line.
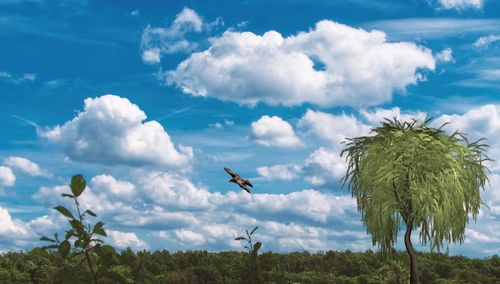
<point>69,234</point>
<point>105,251</point>
<point>67,195</point>
<point>77,225</point>
<point>40,252</point>
<point>47,239</point>
<point>88,211</point>
<point>64,211</point>
<point>257,246</point>
<point>254,229</point>
<point>77,185</point>
<point>98,229</point>
<point>64,248</point>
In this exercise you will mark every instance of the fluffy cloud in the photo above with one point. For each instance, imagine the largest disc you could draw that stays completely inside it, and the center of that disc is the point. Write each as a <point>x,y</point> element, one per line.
<point>7,177</point>
<point>125,239</point>
<point>158,40</point>
<point>110,130</point>
<point>171,207</point>
<point>333,128</point>
<point>378,115</point>
<point>11,226</point>
<point>279,172</point>
<point>486,41</point>
<point>446,55</point>
<point>332,64</point>
<point>461,4</point>
<point>324,166</point>
<point>479,122</point>
<point>274,131</point>
<point>26,166</point>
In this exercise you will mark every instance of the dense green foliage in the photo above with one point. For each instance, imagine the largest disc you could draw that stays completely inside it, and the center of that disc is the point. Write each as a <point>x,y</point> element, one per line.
<point>231,267</point>
<point>411,172</point>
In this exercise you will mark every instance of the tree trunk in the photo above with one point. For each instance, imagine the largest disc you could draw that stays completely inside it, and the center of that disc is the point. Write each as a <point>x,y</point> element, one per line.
<point>411,253</point>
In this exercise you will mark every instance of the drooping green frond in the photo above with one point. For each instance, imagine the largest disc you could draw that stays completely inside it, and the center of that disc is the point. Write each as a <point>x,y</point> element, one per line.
<point>411,172</point>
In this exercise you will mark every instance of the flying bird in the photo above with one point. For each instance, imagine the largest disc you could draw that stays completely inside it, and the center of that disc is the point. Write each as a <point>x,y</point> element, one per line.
<point>243,183</point>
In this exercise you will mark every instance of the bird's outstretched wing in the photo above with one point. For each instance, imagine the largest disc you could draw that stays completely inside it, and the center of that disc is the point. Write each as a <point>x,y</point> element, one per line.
<point>247,182</point>
<point>245,189</point>
<point>233,174</point>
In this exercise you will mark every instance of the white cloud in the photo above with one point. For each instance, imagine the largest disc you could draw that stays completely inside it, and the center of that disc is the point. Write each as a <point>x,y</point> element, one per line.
<point>26,166</point>
<point>12,226</point>
<point>324,166</point>
<point>125,239</point>
<point>174,191</point>
<point>435,27</point>
<point>486,41</point>
<point>279,172</point>
<point>461,4</point>
<point>484,120</point>
<point>377,116</point>
<point>158,40</point>
<point>17,79</point>
<point>274,131</point>
<point>112,187</point>
<point>7,177</point>
<point>110,130</point>
<point>151,55</point>
<point>4,74</point>
<point>332,64</point>
<point>480,122</point>
<point>445,56</point>
<point>170,207</point>
<point>135,13</point>
<point>190,237</point>
<point>333,128</point>
<point>221,125</point>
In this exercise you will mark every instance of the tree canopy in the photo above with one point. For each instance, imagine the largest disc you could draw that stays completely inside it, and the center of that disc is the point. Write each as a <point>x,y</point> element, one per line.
<point>411,171</point>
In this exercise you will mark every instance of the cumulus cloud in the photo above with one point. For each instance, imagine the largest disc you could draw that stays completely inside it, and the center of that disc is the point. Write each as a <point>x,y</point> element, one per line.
<point>445,56</point>
<point>125,239</point>
<point>110,130</point>
<point>486,41</point>
<point>461,4</point>
<point>378,115</point>
<point>479,122</point>
<point>26,166</point>
<point>190,237</point>
<point>158,40</point>
<point>170,207</point>
<point>484,120</point>
<point>7,177</point>
<point>274,131</point>
<point>332,64</point>
<point>333,128</point>
<point>324,166</point>
<point>280,172</point>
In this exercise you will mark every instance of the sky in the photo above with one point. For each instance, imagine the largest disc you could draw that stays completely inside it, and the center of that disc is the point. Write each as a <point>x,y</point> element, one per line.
<point>149,100</point>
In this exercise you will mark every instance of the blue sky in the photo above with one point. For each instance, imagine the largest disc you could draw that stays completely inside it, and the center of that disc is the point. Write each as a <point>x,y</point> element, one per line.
<point>149,100</point>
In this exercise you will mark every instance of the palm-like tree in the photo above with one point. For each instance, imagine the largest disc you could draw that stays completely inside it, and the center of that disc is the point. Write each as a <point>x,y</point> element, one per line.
<point>411,174</point>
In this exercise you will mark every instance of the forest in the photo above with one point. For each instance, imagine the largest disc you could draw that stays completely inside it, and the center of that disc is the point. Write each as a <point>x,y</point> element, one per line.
<point>235,267</point>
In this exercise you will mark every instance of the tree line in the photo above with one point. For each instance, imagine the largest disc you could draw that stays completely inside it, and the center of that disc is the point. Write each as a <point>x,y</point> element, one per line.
<point>233,267</point>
